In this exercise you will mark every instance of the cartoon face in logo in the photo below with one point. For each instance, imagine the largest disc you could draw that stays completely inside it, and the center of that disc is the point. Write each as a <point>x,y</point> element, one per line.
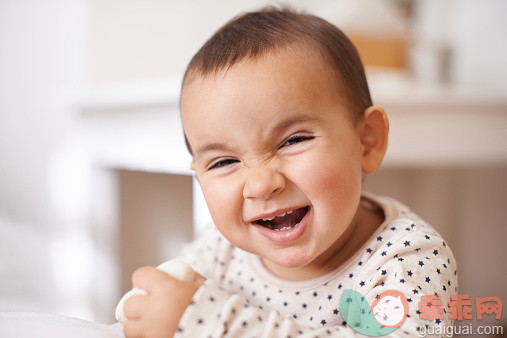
<point>390,308</point>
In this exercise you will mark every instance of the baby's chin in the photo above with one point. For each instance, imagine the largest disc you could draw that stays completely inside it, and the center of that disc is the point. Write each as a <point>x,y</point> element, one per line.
<point>291,267</point>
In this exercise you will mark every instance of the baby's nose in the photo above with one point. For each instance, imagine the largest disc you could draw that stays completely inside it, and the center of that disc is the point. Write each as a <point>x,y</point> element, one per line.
<point>263,183</point>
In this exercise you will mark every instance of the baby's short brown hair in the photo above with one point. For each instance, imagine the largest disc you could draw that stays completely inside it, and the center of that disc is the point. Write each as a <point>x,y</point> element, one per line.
<point>254,34</point>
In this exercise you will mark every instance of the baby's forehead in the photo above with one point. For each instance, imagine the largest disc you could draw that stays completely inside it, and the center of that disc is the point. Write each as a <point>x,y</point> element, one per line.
<point>302,55</point>
<point>286,80</point>
<point>296,76</point>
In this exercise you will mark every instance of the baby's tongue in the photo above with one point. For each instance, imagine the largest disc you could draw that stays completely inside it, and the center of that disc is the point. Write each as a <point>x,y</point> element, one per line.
<point>289,220</point>
<point>285,221</point>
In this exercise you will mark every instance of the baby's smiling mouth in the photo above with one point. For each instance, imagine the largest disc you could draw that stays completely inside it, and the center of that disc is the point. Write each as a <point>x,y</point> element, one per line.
<point>285,221</point>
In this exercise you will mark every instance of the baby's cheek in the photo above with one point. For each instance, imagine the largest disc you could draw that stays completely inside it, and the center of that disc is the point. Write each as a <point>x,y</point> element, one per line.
<point>331,177</point>
<point>220,199</point>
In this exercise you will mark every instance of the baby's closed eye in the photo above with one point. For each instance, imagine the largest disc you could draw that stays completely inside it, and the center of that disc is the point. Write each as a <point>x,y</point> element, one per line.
<point>222,163</point>
<point>296,139</point>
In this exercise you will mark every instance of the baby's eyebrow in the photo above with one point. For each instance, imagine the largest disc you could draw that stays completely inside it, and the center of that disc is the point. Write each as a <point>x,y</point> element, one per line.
<point>210,147</point>
<point>292,120</point>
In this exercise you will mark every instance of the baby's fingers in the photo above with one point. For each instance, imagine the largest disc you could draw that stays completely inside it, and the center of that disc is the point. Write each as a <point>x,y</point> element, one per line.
<point>135,306</point>
<point>199,279</point>
<point>149,278</point>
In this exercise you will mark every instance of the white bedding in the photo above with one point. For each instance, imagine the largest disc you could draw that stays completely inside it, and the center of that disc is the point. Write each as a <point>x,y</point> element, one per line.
<point>44,325</point>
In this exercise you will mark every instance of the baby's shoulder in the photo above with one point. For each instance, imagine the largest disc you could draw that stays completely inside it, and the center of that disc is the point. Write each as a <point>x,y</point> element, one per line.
<point>403,231</point>
<point>209,253</point>
<point>400,220</point>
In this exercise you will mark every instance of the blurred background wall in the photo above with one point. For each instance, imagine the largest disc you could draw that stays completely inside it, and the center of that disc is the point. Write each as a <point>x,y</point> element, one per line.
<point>93,167</point>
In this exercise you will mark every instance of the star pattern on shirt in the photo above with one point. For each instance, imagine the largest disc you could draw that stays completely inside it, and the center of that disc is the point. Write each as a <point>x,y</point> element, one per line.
<point>307,306</point>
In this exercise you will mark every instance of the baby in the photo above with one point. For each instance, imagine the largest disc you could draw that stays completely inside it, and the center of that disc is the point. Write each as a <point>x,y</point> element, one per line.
<point>278,117</point>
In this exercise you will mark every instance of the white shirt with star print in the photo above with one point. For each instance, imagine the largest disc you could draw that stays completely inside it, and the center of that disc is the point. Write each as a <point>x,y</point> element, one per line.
<point>241,298</point>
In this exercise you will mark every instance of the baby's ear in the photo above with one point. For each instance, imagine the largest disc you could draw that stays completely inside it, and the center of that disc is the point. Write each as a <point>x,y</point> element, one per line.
<point>374,135</point>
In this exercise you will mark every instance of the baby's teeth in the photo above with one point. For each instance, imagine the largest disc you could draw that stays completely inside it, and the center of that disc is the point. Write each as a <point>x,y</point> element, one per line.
<point>281,215</point>
<point>283,229</point>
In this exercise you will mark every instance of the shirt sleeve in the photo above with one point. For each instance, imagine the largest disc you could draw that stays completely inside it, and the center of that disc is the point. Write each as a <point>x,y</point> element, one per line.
<point>421,266</point>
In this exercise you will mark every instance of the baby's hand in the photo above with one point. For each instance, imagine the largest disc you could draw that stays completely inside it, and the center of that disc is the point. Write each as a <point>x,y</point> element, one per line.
<point>158,312</point>
<point>176,268</point>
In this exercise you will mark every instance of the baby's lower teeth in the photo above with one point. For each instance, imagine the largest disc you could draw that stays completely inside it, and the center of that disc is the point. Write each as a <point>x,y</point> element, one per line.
<point>283,229</point>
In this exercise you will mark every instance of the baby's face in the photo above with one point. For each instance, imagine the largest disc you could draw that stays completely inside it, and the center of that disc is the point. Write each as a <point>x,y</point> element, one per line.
<point>277,157</point>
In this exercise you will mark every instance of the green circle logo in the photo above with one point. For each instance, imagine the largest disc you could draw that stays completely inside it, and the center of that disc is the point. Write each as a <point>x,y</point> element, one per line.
<point>385,315</point>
